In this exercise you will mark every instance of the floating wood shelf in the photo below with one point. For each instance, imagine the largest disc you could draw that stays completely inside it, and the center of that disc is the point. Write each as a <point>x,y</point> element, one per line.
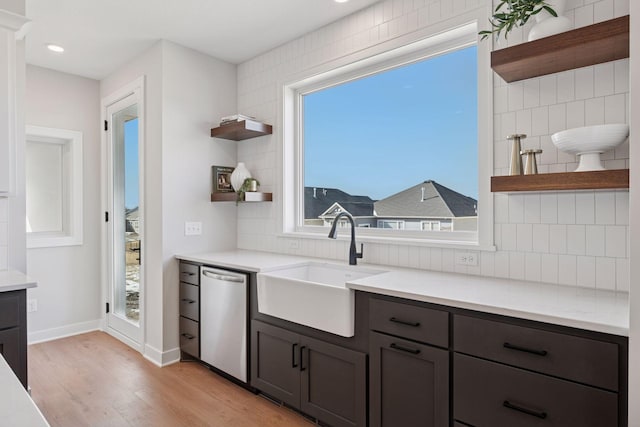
<point>593,180</point>
<point>241,130</point>
<point>594,44</point>
<point>248,197</point>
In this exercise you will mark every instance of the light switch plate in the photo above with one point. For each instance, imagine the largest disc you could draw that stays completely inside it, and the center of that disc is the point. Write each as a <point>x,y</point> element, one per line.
<point>192,228</point>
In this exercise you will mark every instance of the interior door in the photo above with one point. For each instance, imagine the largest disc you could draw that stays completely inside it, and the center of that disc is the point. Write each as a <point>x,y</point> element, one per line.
<point>125,221</point>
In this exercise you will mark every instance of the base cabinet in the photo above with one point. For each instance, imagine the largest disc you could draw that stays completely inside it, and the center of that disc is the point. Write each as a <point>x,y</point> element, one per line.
<point>409,383</point>
<point>323,380</point>
<point>13,332</point>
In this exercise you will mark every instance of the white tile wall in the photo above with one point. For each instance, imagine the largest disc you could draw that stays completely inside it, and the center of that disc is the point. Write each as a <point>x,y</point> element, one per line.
<point>572,238</point>
<point>4,229</point>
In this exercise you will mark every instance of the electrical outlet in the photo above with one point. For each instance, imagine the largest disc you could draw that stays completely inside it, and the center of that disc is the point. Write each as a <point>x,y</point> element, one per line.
<point>32,305</point>
<point>192,228</point>
<point>294,244</point>
<point>466,258</point>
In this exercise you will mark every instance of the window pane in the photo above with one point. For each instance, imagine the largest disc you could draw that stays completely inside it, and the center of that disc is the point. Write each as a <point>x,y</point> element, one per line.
<point>45,187</point>
<point>398,149</point>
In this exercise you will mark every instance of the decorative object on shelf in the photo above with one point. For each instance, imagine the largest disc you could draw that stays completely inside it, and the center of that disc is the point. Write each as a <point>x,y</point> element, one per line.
<point>530,164</point>
<point>221,176</point>
<point>248,185</point>
<point>589,142</point>
<point>547,24</point>
<point>516,14</point>
<point>238,176</point>
<point>227,120</point>
<point>515,166</point>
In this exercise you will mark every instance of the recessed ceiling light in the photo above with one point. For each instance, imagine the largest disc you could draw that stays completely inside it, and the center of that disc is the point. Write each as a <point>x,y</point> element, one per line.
<point>341,1</point>
<point>55,48</point>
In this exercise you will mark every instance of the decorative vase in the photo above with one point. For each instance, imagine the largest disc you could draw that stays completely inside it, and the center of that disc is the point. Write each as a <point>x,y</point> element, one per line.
<point>547,25</point>
<point>239,174</point>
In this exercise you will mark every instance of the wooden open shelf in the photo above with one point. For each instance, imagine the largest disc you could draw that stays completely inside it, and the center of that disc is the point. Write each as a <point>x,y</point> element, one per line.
<point>248,197</point>
<point>594,44</point>
<point>241,130</point>
<point>593,180</point>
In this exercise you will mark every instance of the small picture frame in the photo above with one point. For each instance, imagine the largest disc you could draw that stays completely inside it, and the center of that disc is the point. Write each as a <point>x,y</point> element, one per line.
<point>222,179</point>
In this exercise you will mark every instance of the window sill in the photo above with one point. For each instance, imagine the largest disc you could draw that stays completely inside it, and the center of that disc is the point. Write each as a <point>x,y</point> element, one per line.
<point>404,241</point>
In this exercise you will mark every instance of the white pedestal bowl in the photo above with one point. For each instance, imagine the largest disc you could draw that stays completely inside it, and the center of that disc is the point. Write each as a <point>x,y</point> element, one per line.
<point>589,142</point>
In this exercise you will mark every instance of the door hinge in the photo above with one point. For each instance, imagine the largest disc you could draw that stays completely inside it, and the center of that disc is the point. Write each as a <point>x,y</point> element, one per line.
<point>106,125</point>
<point>106,217</point>
<point>107,307</point>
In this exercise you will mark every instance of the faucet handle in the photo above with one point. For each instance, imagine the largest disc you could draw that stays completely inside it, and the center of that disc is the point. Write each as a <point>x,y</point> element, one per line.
<point>359,254</point>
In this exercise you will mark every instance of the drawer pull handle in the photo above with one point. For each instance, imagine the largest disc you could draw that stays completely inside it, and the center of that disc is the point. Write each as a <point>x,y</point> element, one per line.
<point>187,300</point>
<point>524,349</point>
<point>541,415</point>
<point>188,336</point>
<point>405,349</point>
<point>188,274</point>
<point>404,322</point>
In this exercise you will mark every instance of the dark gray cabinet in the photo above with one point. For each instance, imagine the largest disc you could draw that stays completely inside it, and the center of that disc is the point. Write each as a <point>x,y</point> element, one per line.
<point>13,332</point>
<point>189,309</point>
<point>409,375</point>
<point>506,372</point>
<point>409,383</point>
<point>323,380</point>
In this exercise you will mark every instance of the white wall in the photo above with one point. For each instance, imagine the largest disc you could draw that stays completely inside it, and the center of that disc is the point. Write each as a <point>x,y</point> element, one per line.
<point>634,338</point>
<point>186,93</point>
<point>197,90</point>
<point>568,238</point>
<point>68,291</point>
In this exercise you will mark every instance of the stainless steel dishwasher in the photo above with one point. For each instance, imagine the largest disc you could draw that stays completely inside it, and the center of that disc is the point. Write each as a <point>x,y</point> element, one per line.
<point>223,321</point>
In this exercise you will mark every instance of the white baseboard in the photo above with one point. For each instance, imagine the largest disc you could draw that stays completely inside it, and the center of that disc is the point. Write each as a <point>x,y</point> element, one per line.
<point>160,358</point>
<point>64,331</point>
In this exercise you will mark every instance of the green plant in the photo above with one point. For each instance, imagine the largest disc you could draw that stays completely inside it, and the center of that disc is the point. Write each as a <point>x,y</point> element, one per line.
<point>516,14</point>
<point>246,186</point>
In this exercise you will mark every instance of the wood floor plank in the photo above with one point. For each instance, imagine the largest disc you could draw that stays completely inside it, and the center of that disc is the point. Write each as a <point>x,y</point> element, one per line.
<point>95,380</point>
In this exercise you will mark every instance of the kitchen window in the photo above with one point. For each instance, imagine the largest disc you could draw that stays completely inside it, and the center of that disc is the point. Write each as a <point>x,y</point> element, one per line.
<point>400,140</point>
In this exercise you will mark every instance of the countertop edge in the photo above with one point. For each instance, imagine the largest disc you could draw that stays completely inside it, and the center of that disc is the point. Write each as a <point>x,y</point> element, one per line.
<point>11,280</point>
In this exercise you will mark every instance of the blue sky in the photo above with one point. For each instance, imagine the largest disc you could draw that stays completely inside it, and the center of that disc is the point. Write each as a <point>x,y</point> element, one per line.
<point>382,134</point>
<point>131,183</point>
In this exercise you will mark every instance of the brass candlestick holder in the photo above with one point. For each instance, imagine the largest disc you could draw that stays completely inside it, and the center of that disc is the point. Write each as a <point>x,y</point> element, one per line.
<point>515,166</point>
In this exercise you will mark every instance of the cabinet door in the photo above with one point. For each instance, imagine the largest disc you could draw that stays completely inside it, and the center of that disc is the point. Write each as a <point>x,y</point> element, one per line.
<point>275,362</point>
<point>334,383</point>
<point>13,353</point>
<point>409,383</point>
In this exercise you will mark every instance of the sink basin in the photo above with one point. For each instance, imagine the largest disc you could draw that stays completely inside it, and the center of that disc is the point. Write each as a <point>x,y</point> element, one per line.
<point>312,294</point>
<point>589,141</point>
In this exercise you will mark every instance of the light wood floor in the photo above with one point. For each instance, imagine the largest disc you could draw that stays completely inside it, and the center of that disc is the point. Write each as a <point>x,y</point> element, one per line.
<point>95,380</point>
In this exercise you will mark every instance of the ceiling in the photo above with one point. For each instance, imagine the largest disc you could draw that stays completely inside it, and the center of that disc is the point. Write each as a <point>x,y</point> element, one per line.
<point>101,35</point>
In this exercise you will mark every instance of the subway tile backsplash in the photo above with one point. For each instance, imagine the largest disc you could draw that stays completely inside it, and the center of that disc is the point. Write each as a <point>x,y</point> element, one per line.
<point>4,230</point>
<point>571,238</point>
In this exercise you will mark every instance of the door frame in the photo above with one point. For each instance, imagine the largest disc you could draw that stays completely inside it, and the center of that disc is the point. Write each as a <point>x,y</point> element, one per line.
<point>135,87</point>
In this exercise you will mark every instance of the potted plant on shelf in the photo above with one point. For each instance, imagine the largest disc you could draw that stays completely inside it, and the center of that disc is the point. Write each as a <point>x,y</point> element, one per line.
<point>516,13</point>
<point>249,184</point>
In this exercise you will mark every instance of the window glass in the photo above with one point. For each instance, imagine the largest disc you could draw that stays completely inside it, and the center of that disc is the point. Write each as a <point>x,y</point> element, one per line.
<point>397,149</point>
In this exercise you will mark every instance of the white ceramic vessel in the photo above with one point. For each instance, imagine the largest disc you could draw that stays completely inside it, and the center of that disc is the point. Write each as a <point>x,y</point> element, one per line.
<point>547,25</point>
<point>589,142</point>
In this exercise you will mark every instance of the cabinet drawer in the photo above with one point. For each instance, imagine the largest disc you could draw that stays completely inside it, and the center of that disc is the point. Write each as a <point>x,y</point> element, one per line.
<point>409,321</point>
<point>189,301</point>
<point>189,337</point>
<point>490,394</point>
<point>579,359</point>
<point>189,273</point>
<point>9,310</point>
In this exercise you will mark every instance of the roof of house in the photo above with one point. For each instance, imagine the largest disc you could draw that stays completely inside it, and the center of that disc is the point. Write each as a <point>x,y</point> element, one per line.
<point>318,200</point>
<point>427,199</point>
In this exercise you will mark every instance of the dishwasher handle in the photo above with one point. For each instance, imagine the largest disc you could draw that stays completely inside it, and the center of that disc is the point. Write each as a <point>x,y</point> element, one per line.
<point>223,277</point>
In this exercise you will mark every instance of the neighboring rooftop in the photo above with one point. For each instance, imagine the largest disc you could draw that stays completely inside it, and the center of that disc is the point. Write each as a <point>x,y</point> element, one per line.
<point>318,200</point>
<point>427,199</point>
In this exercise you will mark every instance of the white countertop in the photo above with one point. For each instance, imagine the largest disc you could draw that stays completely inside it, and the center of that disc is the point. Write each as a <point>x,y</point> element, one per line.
<point>590,309</point>
<point>11,280</point>
<point>16,406</point>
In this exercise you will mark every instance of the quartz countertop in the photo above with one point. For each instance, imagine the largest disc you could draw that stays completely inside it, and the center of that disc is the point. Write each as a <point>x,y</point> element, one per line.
<point>584,308</point>
<point>16,406</point>
<point>11,280</point>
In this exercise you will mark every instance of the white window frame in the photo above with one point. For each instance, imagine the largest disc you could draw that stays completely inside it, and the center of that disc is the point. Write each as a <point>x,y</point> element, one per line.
<point>456,33</point>
<point>71,167</point>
